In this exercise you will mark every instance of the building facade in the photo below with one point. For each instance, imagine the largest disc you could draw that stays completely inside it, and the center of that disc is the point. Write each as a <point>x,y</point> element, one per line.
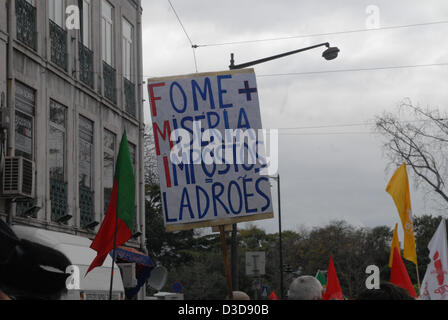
<point>69,88</point>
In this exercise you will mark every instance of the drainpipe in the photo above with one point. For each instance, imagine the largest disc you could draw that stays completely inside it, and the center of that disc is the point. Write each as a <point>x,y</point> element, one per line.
<point>11,91</point>
<point>141,148</point>
<point>141,129</point>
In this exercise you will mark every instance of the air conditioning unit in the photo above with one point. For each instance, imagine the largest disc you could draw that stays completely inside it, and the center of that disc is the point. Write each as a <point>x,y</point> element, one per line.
<point>128,274</point>
<point>18,178</point>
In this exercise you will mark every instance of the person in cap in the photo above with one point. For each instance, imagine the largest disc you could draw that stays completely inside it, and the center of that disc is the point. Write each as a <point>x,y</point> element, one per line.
<point>29,270</point>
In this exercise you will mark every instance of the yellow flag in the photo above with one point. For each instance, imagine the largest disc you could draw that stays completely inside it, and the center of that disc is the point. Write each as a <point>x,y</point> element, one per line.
<point>398,188</point>
<point>395,244</point>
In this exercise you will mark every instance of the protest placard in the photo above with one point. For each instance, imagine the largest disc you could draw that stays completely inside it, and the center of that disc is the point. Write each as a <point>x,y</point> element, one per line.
<point>209,149</point>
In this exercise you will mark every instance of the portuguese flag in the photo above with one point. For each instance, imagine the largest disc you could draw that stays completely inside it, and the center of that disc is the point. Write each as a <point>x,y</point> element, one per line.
<point>323,281</point>
<point>118,222</point>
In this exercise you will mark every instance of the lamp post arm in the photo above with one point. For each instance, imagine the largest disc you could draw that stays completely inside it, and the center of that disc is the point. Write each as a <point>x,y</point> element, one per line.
<point>252,63</point>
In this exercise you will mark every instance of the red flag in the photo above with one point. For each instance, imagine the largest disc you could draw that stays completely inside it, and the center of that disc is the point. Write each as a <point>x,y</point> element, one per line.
<point>333,291</point>
<point>273,296</point>
<point>399,275</point>
<point>118,222</point>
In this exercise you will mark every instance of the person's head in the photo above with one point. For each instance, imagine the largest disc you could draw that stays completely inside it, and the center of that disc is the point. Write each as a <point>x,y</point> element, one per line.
<point>387,291</point>
<point>29,270</point>
<point>305,288</point>
<point>240,295</point>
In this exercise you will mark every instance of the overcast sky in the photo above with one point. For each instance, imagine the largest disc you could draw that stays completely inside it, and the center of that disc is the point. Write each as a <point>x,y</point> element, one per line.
<point>326,173</point>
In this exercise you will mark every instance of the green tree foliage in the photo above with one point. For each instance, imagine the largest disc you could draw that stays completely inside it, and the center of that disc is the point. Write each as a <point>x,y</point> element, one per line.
<point>353,249</point>
<point>197,263</point>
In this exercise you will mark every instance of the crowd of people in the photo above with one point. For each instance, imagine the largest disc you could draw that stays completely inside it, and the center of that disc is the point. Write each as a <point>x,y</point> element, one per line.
<point>309,288</point>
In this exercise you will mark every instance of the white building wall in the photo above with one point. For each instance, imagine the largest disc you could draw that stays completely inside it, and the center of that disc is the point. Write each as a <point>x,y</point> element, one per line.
<point>34,69</point>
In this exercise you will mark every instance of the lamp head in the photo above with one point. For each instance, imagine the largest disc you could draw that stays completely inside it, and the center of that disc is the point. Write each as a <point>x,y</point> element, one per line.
<point>331,53</point>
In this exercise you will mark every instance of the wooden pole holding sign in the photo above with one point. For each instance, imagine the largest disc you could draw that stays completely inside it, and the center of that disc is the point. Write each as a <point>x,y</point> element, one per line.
<point>226,262</point>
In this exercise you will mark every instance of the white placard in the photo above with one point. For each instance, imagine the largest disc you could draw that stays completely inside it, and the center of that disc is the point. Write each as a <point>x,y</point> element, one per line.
<point>210,168</point>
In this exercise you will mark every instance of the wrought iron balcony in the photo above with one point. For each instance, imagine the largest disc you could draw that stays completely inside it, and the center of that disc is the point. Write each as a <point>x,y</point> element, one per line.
<point>58,196</point>
<point>129,95</point>
<point>58,39</point>
<point>23,207</point>
<point>26,23</point>
<point>85,65</point>
<point>110,82</point>
<point>86,207</point>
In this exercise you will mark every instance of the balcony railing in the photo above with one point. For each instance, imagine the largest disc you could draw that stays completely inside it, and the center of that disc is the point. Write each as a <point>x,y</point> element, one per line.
<point>23,206</point>
<point>85,65</point>
<point>86,206</point>
<point>58,39</point>
<point>58,196</point>
<point>26,24</point>
<point>110,82</point>
<point>129,95</point>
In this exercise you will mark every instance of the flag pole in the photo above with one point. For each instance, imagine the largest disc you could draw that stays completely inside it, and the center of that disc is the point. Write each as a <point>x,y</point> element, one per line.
<point>226,262</point>
<point>418,277</point>
<point>113,257</point>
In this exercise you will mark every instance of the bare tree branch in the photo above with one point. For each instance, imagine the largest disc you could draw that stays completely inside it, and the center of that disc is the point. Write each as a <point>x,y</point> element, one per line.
<point>421,143</point>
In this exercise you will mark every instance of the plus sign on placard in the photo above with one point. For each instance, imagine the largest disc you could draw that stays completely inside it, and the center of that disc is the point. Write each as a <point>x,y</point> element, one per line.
<point>247,90</point>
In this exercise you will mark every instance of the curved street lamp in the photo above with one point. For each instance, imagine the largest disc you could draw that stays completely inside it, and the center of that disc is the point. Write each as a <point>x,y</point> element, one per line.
<point>329,54</point>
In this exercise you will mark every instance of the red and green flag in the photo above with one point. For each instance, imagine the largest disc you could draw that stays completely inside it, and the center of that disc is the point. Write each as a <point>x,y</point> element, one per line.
<point>323,281</point>
<point>118,222</point>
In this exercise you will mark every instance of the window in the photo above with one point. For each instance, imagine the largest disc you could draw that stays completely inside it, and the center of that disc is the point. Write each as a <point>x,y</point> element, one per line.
<point>128,86</point>
<point>108,165</point>
<point>85,152</point>
<point>58,35</point>
<point>107,28</point>
<point>56,160</point>
<point>85,14</point>
<point>85,44</point>
<point>57,12</point>
<point>86,194</point>
<point>127,49</point>
<point>24,131</point>
<point>26,23</point>
<point>57,141</point>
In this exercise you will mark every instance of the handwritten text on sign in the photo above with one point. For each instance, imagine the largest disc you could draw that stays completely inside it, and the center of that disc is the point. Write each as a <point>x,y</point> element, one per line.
<point>209,151</point>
